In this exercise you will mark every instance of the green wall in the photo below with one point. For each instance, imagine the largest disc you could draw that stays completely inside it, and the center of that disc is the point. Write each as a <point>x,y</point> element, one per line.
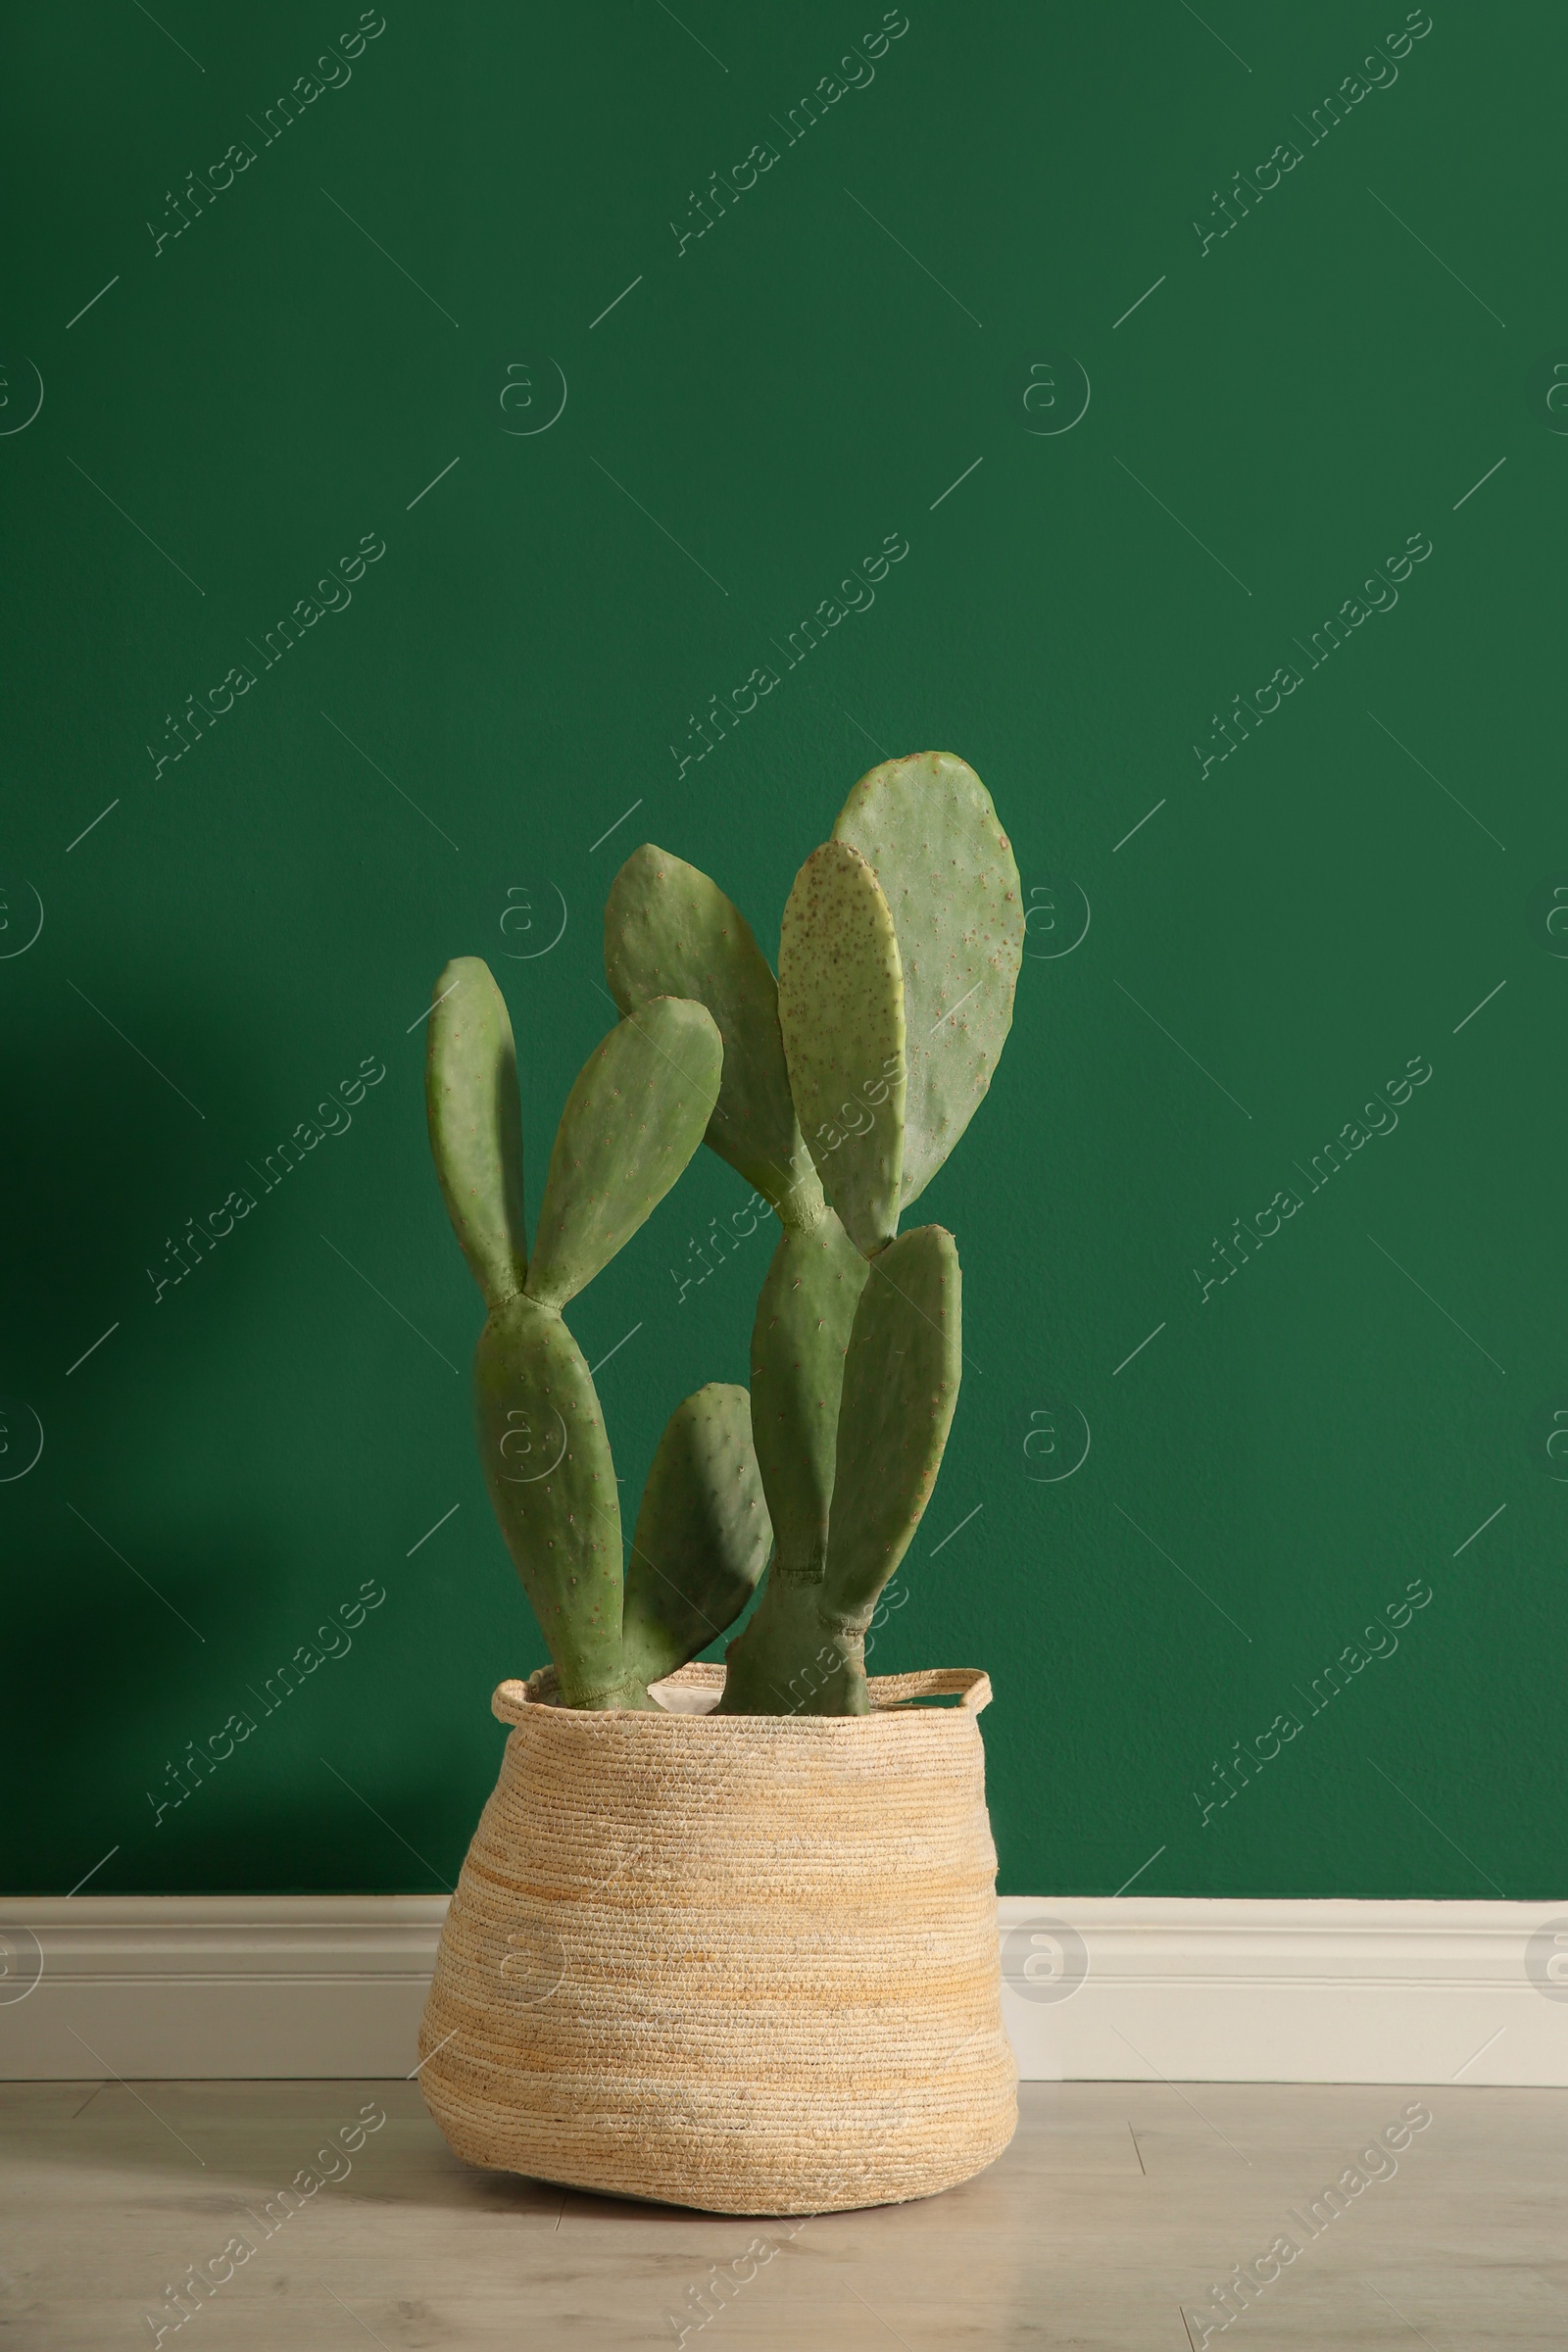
<point>430,769</point>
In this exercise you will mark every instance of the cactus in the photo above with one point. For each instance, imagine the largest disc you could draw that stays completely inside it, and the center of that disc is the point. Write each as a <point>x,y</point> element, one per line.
<point>632,1121</point>
<point>899,956</point>
<point>837,1092</point>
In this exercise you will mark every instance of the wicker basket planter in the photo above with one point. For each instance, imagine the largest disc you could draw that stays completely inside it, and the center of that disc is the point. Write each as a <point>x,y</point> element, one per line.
<point>744,1963</point>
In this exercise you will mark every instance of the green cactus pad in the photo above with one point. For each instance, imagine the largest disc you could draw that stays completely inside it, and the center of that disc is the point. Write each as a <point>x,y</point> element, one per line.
<point>470,1097</point>
<point>633,1118</point>
<point>703,1535</point>
<point>671,932</point>
<point>552,1482</point>
<point>900,1384</point>
<point>792,1659</point>
<point>927,827</point>
<point>804,1317</point>
<point>841,1009</point>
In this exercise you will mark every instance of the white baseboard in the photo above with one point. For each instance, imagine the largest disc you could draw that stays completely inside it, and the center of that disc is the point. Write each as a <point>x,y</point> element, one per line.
<point>1230,1992</point>
<point>179,1986</point>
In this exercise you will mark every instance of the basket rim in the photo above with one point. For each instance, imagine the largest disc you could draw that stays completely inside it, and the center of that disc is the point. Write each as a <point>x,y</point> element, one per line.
<point>891,1694</point>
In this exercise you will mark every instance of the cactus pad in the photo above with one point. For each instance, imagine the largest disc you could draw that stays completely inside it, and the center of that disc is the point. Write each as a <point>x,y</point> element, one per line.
<point>926,826</point>
<point>671,932</point>
<point>634,1117</point>
<point>900,1384</point>
<point>552,1482</point>
<point>842,1012</point>
<point>804,1318</point>
<point>703,1534</point>
<point>471,1095</point>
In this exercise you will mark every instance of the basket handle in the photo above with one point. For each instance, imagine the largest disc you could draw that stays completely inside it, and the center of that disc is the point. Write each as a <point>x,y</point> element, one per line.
<point>938,1681</point>
<point>509,1702</point>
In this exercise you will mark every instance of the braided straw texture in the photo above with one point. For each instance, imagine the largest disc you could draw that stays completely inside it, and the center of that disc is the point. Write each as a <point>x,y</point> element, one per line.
<point>747,1963</point>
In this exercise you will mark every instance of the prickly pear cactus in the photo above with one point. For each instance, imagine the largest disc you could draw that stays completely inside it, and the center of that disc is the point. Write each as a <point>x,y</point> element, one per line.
<point>635,1115</point>
<point>898,960</point>
<point>667,926</point>
<point>837,1091</point>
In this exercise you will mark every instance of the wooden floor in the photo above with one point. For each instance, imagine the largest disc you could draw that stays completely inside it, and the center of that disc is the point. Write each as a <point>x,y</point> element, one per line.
<point>1114,2212</point>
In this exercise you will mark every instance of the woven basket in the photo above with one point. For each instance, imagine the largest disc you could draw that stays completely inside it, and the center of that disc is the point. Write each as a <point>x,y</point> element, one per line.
<point>747,1963</point>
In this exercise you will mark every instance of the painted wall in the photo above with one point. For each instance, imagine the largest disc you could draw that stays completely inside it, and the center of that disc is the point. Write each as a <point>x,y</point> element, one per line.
<point>548,439</point>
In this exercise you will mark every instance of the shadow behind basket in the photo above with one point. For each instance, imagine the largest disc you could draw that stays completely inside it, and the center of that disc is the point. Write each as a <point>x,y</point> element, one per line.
<point>744,1963</point>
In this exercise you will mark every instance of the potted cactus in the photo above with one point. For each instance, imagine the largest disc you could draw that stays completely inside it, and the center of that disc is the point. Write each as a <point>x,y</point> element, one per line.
<point>677,1963</point>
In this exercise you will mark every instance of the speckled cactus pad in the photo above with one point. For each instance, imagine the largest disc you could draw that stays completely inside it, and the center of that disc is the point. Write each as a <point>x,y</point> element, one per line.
<point>671,932</point>
<point>841,1008</point>
<point>927,828</point>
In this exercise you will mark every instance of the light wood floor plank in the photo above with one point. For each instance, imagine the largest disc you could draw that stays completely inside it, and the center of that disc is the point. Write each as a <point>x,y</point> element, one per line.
<point>1117,2209</point>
